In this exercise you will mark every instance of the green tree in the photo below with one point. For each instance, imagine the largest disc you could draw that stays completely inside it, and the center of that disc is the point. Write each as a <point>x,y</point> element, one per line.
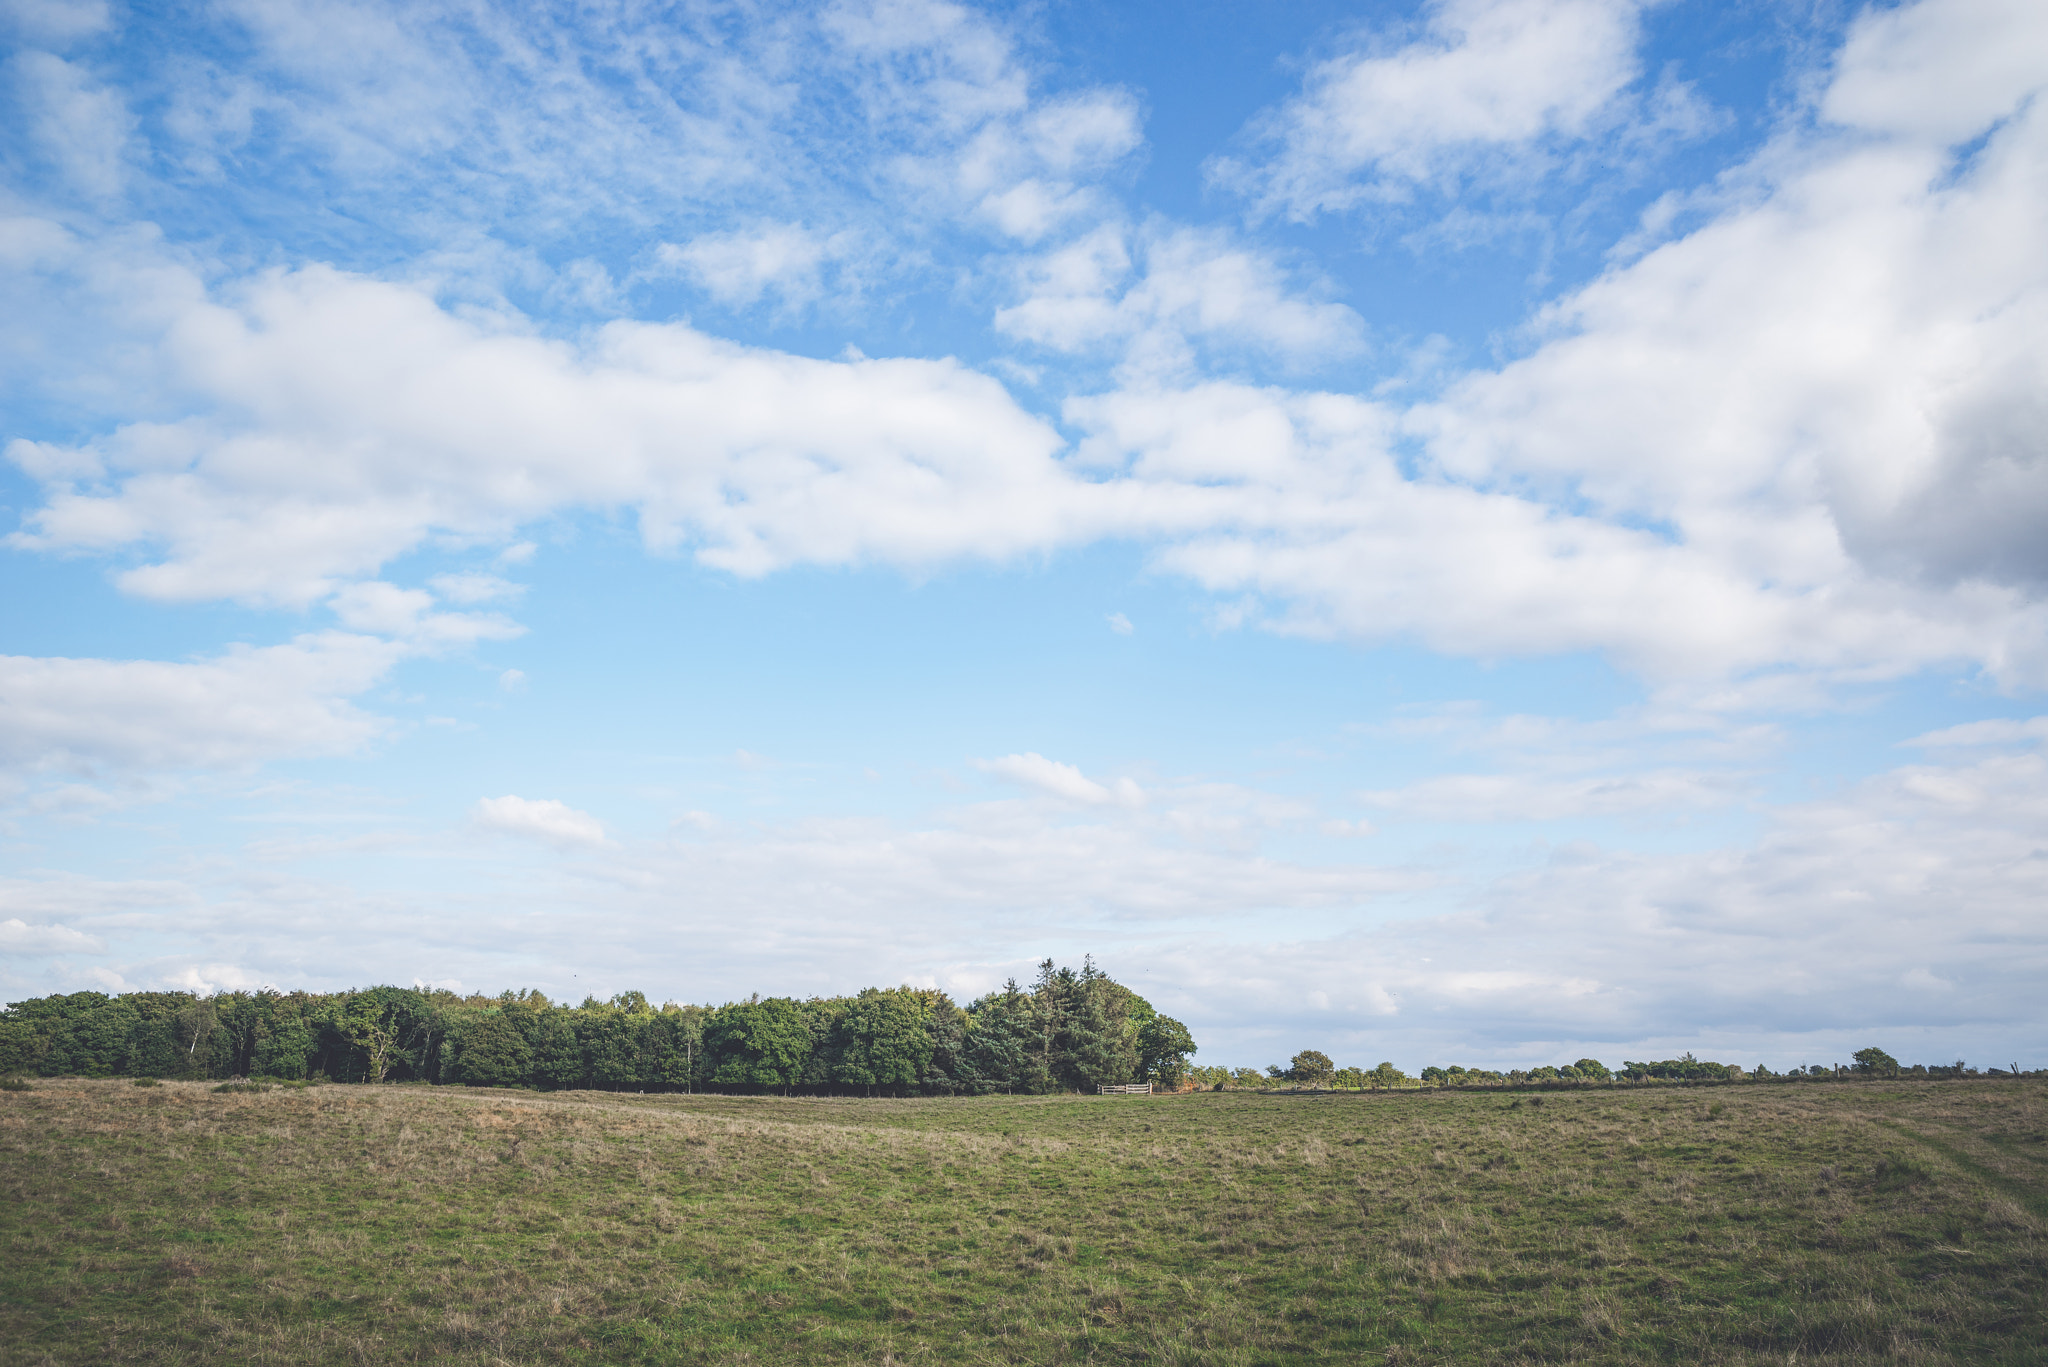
<point>881,1040</point>
<point>997,1054</point>
<point>758,1043</point>
<point>611,1047</point>
<point>389,1030</point>
<point>1163,1048</point>
<point>1312,1066</point>
<point>282,1041</point>
<point>494,1052</point>
<point>1875,1062</point>
<point>557,1052</point>
<point>1593,1068</point>
<point>676,1041</point>
<point>1092,1048</point>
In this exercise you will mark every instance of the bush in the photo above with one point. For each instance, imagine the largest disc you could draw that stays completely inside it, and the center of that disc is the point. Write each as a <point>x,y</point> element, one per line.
<point>15,1084</point>
<point>145,1082</point>
<point>241,1086</point>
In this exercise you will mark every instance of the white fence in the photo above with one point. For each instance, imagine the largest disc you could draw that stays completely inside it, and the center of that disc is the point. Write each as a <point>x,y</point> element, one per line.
<point>1134,1089</point>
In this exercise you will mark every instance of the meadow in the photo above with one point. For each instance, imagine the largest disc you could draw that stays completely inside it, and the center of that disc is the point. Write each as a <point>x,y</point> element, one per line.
<point>1824,1223</point>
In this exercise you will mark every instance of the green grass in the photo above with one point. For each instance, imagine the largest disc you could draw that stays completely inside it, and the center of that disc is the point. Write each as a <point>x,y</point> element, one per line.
<point>1752,1224</point>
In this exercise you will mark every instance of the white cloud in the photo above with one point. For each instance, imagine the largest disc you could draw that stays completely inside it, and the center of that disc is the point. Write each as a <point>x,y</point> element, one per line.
<point>513,681</point>
<point>546,820</point>
<point>1191,288</point>
<point>54,21</point>
<point>1999,731</point>
<point>738,267</point>
<point>241,708</point>
<point>1488,76</point>
<point>1062,781</point>
<point>80,126</point>
<point>1833,383</point>
<point>19,937</point>
<point>407,615</point>
<point>1798,939</point>
<point>475,588</point>
<point>1526,797</point>
<point>1805,434</point>
<point>349,420</point>
<point>1120,624</point>
<point>965,136</point>
<point>1990,55</point>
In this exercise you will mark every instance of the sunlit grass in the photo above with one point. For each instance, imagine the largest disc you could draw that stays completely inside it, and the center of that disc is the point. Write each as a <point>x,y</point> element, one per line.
<point>1819,1224</point>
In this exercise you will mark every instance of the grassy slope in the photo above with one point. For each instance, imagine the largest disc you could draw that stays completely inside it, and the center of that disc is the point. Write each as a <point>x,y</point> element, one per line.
<point>1838,1223</point>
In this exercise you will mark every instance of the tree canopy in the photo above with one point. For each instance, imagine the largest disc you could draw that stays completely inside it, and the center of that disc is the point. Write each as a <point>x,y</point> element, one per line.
<point>1072,1029</point>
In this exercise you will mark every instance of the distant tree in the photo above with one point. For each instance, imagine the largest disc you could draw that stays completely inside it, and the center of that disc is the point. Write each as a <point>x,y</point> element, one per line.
<point>611,1042</point>
<point>557,1052</point>
<point>192,1028</point>
<point>758,1043</point>
<point>1163,1048</point>
<point>1387,1075</point>
<point>881,1041</point>
<point>1593,1069</point>
<point>997,1054</point>
<point>1311,1066</point>
<point>282,1040</point>
<point>676,1046</point>
<point>1875,1062</point>
<point>1096,1044</point>
<point>493,1052</point>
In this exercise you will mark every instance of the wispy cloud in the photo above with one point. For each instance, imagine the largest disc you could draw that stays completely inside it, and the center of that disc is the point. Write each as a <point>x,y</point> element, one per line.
<point>544,819</point>
<point>1062,781</point>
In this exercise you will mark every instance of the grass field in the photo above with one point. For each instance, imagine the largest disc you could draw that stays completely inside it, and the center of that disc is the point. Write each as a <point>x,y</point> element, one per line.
<point>1811,1224</point>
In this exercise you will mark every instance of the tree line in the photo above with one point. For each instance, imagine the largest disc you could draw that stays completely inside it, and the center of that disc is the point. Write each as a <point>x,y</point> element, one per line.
<point>1069,1030</point>
<point>1313,1068</point>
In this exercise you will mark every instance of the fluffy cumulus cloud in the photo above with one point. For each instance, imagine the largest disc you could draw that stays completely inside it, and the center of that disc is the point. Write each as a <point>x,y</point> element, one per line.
<point>1806,432</point>
<point>245,707</point>
<point>1848,367</point>
<point>1486,79</point>
<point>348,420</point>
<point>1158,298</point>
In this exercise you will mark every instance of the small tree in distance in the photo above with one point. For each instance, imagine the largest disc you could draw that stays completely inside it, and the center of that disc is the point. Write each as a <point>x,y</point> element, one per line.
<point>1313,1067</point>
<point>1875,1062</point>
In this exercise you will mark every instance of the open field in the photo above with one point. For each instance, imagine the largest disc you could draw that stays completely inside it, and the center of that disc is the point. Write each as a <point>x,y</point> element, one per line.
<point>1816,1224</point>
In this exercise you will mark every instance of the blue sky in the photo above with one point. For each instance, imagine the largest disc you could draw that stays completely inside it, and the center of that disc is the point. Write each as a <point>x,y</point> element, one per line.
<point>1483,531</point>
